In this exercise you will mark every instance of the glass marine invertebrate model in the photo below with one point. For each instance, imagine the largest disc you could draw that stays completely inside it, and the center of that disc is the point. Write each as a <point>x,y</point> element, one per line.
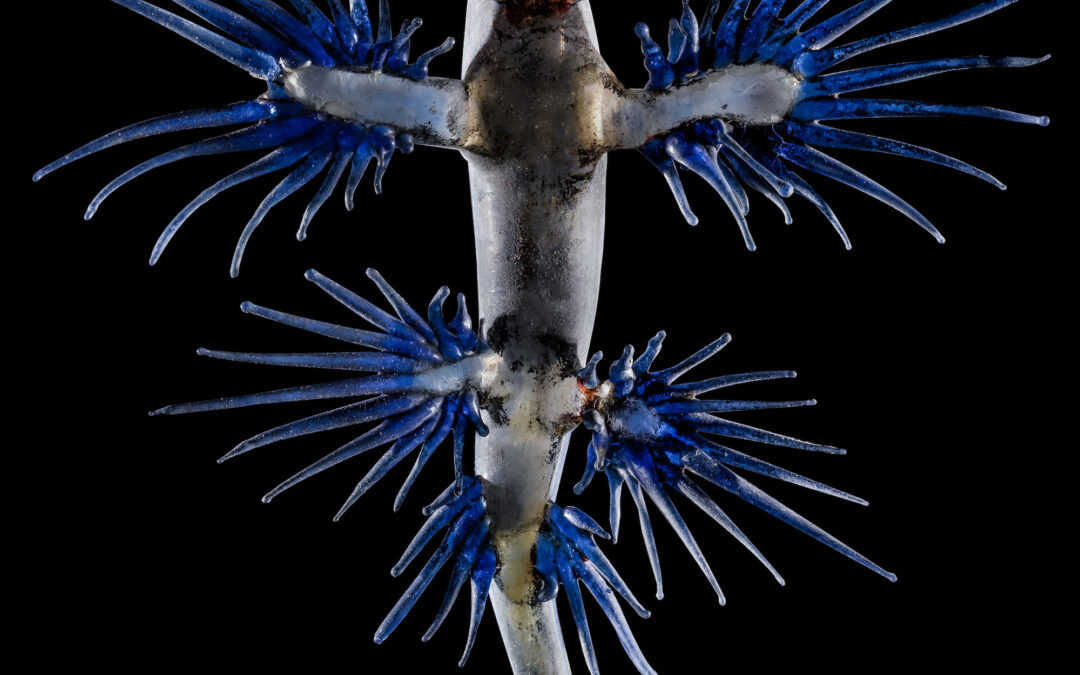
<point>746,96</point>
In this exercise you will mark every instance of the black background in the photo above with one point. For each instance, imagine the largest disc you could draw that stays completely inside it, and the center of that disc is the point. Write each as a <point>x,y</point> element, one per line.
<point>928,362</point>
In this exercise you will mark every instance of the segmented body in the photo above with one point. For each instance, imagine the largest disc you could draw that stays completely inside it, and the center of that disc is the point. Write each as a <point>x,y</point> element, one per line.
<point>538,219</point>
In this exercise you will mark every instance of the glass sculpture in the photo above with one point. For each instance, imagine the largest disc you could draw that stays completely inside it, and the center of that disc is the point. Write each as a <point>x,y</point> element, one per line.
<point>746,96</point>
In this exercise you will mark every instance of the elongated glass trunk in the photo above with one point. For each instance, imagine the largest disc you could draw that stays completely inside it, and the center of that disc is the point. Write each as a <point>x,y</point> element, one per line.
<point>534,84</point>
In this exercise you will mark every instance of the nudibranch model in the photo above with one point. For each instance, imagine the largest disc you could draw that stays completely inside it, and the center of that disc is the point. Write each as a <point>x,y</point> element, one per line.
<point>743,98</point>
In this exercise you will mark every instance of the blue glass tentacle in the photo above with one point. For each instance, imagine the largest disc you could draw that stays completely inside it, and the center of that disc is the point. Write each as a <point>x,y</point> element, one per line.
<point>258,63</point>
<point>245,112</point>
<point>267,134</point>
<point>814,62</point>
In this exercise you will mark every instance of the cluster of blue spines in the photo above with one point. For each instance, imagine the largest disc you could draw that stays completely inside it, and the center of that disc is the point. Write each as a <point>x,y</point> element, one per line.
<point>566,554</point>
<point>460,510</point>
<point>300,138</point>
<point>649,435</point>
<point>765,158</point>
<point>396,394</point>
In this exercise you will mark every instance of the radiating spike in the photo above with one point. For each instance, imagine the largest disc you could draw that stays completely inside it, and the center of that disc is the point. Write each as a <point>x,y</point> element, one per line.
<point>243,29</point>
<point>482,575</point>
<point>705,32</point>
<point>615,485</point>
<point>730,457</point>
<point>814,62</point>
<point>281,158</point>
<point>461,428</point>
<point>788,28</point>
<point>606,598</point>
<point>677,41</point>
<point>590,469</point>
<point>289,28</point>
<point>732,147</point>
<point>386,28</point>
<point>758,27</point>
<point>471,407</point>
<point>358,10</point>
<point>650,483</point>
<point>714,425</point>
<point>460,530</point>
<point>462,325</point>
<point>301,176</point>
<point>382,149</point>
<point>357,413</point>
<point>702,161</point>
<point>357,386</point>
<point>807,192</point>
<point>819,162</point>
<point>263,135</point>
<point>355,336</point>
<point>690,28</point>
<point>333,177</point>
<point>714,383</point>
<point>823,34</point>
<point>322,27</point>
<point>346,28</point>
<point>821,109</point>
<point>655,153</point>
<point>880,76</point>
<point>361,160</point>
<point>404,310</point>
<point>803,13</point>
<point>684,407</point>
<point>577,609</point>
<point>727,33</point>
<point>362,308</point>
<point>470,553</point>
<point>691,491</point>
<point>754,180</point>
<point>387,431</point>
<point>446,424</point>
<point>359,361</point>
<point>419,69</point>
<point>621,374</point>
<point>582,520</point>
<point>255,62</point>
<point>648,536</point>
<point>238,113</point>
<point>588,375</point>
<point>401,448</point>
<point>673,373</point>
<point>822,136</point>
<point>732,483</point>
<point>448,344</point>
<point>446,498</point>
<point>645,361</point>
<point>457,580</point>
<point>435,524</point>
<point>738,193</point>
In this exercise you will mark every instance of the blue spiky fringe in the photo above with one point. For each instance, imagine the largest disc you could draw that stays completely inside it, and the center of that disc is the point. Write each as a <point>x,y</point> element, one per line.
<point>301,139</point>
<point>765,158</point>
<point>649,435</point>
<point>396,395</point>
<point>468,538</point>
<point>566,554</point>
